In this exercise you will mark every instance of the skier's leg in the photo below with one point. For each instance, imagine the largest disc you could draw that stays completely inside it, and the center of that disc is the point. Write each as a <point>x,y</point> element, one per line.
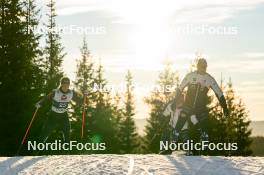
<point>175,135</point>
<point>185,135</point>
<point>165,136</point>
<point>202,128</point>
<point>165,127</point>
<point>66,128</point>
<point>202,125</point>
<point>49,125</point>
<point>183,118</point>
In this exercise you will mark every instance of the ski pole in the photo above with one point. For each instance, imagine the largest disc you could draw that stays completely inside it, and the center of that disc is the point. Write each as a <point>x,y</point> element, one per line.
<point>83,112</point>
<point>29,126</point>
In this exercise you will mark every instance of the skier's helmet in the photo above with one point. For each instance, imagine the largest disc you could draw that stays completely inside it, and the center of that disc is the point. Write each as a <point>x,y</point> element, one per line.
<point>65,80</point>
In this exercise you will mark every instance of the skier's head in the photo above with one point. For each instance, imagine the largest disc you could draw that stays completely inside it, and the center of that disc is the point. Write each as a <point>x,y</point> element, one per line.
<point>201,65</point>
<point>65,83</point>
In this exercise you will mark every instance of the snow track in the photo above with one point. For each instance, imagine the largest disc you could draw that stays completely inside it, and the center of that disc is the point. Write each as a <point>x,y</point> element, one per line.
<point>131,164</point>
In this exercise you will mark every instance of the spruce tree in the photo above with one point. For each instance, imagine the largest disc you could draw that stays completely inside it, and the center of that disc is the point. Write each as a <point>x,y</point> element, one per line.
<point>238,122</point>
<point>53,51</point>
<point>231,129</point>
<point>84,82</point>
<point>52,57</point>
<point>104,122</point>
<point>128,133</point>
<point>102,115</point>
<point>20,76</point>
<point>157,123</point>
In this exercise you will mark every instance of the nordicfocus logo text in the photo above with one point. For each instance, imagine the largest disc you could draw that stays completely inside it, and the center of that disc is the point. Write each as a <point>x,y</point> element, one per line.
<point>58,146</point>
<point>204,145</point>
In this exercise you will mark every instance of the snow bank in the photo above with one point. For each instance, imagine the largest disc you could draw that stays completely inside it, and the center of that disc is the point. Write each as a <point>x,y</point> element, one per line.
<point>131,164</point>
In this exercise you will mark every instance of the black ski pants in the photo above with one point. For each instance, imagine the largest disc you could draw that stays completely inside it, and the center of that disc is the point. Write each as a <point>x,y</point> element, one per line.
<point>56,121</point>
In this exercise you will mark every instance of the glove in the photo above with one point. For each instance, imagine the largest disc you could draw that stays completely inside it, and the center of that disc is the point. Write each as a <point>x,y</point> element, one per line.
<point>37,105</point>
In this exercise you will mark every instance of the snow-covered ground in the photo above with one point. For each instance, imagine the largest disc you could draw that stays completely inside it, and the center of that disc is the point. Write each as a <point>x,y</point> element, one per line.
<point>131,164</point>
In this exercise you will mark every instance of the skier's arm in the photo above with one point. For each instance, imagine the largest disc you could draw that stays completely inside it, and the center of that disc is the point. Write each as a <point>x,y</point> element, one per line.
<point>179,90</point>
<point>184,83</point>
<point>44,99</point>
<point>220,96</point>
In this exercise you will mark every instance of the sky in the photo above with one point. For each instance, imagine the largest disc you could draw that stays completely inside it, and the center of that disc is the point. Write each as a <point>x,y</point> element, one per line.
<point>141,35</point>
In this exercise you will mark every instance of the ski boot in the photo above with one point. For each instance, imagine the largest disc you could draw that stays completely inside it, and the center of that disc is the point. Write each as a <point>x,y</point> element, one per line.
<point>175,136</point>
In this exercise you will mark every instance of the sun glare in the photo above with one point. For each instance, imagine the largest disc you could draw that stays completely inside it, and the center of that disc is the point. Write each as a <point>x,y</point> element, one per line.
<point>150,43</point>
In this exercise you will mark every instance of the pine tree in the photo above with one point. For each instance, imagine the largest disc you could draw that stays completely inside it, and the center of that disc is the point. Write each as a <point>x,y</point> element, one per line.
<point>104,123</point>
<point>85,72</point>
<point>32,19</point>
<point>118,110</point>
<point>238,122</point>
<point>231,129</point>
<point>158,99</point>
<point>84,82</point>
<point>52,64</point>
<point>128,134</point>
<point>102,116</point>
<point>53,51</point>
<point>20,75</point>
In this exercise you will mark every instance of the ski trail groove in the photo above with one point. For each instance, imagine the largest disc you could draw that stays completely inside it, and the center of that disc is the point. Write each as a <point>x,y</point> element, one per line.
<point>131,165</point>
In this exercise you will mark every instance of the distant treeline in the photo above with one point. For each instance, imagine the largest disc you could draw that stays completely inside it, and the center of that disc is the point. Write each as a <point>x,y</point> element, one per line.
<point>257,146</point>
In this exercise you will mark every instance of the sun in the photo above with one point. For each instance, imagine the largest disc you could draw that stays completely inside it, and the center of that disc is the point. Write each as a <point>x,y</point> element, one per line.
<point>150,42</point>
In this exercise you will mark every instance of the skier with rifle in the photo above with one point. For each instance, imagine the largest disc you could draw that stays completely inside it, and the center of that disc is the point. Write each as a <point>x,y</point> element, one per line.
<point>58,115</point>
<point>198,84</point>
